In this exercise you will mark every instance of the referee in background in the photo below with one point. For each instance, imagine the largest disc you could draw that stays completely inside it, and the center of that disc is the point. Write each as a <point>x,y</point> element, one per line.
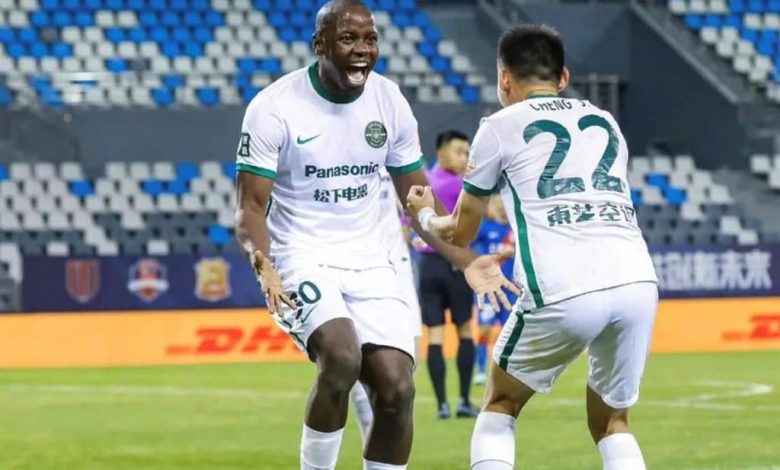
<point>442,286</point>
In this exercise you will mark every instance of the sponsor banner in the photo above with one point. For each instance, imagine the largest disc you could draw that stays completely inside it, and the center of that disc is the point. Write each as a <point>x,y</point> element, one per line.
<point>133,283</point>
<point>143,338</point>
<point>250,335</point>
<point>736,271</point>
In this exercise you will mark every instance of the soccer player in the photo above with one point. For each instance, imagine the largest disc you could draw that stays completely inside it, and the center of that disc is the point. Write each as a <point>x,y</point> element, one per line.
<point>560,165</point>
<point>392,228</point>
<point>495,234</point>
<point>311,147</point>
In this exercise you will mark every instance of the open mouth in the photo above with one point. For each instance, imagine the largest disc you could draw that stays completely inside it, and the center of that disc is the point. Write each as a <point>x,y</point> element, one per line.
<point>357,73</point>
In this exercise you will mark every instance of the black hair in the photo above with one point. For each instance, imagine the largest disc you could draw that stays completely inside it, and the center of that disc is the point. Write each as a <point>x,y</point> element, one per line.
<point>447,136</point>
<point>532,52</point>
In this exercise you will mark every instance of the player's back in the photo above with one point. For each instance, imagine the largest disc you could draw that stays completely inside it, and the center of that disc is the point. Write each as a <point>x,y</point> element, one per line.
<point>563,167</point>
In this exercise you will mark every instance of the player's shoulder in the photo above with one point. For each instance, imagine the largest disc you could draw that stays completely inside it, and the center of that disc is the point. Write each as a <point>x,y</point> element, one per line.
<point>385,89</point>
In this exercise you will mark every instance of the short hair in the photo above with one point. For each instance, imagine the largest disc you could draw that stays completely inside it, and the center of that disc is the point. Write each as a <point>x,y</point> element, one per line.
<point>448,136</point>
<point>532,52</point>
<point>327,13</point>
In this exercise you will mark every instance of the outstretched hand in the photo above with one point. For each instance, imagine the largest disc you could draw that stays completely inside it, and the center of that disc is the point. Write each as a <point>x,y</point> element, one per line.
<point>418,198</point>
<point>486,279</point>
<point>271,284</point>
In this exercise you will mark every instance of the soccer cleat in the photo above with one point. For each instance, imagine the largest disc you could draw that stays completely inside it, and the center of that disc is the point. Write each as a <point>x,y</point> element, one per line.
<point>467,410</point>
<point>444,411</point>
<point>480,379</point>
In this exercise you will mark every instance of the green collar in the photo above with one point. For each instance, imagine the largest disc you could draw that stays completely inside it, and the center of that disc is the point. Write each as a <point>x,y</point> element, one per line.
<point>314,76</point>
<point>546,95</point>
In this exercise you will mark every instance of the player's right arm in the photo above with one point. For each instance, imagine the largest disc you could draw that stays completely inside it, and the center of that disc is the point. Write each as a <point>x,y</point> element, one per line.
<point>262,136</point>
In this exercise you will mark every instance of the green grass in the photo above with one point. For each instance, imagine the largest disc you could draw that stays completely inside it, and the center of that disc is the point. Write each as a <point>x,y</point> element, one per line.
<point>249,416</point>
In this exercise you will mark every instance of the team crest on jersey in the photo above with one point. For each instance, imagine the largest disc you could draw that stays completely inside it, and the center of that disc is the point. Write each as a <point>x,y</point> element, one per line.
<point>212,279</point>
<point>82,279</point>
<point>148,279</point>
<point>376,134</point>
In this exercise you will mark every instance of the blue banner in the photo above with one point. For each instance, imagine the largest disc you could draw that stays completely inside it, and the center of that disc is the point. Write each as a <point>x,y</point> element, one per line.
<point>135,283</point>
<point>717,271</point>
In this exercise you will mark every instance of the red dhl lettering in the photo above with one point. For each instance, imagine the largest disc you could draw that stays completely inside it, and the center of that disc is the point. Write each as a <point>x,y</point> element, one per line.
<point>224,340</point>
<point>765,327</point>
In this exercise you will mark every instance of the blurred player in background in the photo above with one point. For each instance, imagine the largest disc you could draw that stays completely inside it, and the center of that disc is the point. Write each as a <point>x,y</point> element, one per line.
<point>308,189</point>
<point>495,234</point>
<point>391,213</point>
<point>561,167</point>
<point>443,287</point>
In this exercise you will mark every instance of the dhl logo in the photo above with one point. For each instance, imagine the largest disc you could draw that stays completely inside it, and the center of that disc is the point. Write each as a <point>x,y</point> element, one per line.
<point>227,340</point>
<point>766,327</point>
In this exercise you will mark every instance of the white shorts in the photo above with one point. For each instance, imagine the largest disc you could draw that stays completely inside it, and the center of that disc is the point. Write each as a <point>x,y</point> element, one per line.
<point>616,325</point>
<point>405,272</point>
<point>370,298</point>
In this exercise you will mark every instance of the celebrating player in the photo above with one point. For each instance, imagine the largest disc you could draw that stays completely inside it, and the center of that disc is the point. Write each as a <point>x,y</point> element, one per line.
<point>311,147</point>
<point>560,165</point>
<point>495,234</point>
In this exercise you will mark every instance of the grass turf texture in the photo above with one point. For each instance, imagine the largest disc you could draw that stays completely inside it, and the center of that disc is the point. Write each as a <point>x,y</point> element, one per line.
<point>249,416</point>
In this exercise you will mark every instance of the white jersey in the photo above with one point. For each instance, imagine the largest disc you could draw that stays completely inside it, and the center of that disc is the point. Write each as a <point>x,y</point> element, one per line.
<point>390,218</point>
<point>560,165</point>
<point>324,155</point>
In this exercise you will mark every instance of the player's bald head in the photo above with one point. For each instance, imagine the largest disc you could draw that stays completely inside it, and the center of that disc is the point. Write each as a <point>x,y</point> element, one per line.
<point>329,14</point>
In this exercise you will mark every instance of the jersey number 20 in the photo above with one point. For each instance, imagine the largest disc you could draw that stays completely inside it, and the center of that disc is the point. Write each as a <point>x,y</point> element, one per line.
<point>548,185</point>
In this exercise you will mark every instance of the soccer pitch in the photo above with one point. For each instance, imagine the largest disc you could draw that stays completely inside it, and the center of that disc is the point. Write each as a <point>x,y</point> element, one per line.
<point>697,412</point>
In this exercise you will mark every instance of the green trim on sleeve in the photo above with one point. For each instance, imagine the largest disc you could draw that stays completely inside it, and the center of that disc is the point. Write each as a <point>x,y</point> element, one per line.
<point>402,170</point>
<point>256,170</point>
<point>477,191</point>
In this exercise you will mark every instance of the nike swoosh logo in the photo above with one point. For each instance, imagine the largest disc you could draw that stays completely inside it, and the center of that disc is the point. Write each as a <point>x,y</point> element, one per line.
<point>306,141</point>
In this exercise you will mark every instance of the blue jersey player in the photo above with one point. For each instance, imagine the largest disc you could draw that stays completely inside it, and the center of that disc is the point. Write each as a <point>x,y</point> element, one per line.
<point>495,234</point>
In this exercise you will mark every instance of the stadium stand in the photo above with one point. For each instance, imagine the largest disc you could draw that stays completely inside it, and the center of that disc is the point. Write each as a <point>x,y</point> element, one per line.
<point>743,32</point>
<point>203,53</point>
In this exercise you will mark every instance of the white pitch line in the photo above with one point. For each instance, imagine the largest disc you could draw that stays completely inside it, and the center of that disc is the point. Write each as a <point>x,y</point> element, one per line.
<point>703,402</point>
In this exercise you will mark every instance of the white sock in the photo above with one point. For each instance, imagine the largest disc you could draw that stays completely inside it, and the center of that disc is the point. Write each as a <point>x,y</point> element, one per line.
<point>621,452</point>
<point>369,465</point>
<point>362,404</point>
<point>493,442</point>
<point>320,450</point>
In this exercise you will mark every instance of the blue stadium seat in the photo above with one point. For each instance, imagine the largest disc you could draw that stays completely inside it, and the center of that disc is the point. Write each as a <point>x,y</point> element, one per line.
<point>773,6</point>
<point>193,49</point>
<point>389,5</point>
<point>137,35</point>
<point>71,5</point>
<point>52,98</point>
<point>284,5</point>
<point>215,19</point>
<point>381,65</point>
<point>62,18</point>
<point>262,5</point>
<point>469,94</point>
<point>159,34</point>
<point>115,34</point>
<point>270,65</point>
<point>246,65</point>
<point>50,5</point>
<point>636,197</point>
<point>693,22</point>
<point>171,49</point>
<point>116,65</point>
<point>152,187</point>
<point>39,50</point>
<point>657,179</point>
<point>755,6</point>
<point>402,20</point>
<point>675,196</point>
<point>248,93</point>
<point>148,19</point>
<point>288,34</point>
<point>93,5</point>
<point>407,5</point>
<point>306,5</point>
<point>714,21</point>
<point>61,50</point>
<point>299,19</point>
<point>454,79</point>
<point>16,50</point>
<point>170,18</point>
<point>733,21</point>
<point>421,19</point>
<point>440,64</point>
<point>277,19</point>
<point>40,19</point>
<point>749,34</point>
<point>136,5</point>
<point>157,5</point>
<point>208,96</point>
<point>115,5</point>
<point>178,5</point>
<point>5,99</point>
<point>81,188</point>
<point>200,5</point>
<point>162,96</point>
<point>181,34</point>
<point>7,35</point>
<point>218,234</point>
<point>185,171</point>
<point>193,18</point>
<point>737,6</point>
<point>173,80</point>
<point>177,187</point>
<point>305,34</point>
<point>27,35</point>
<point>4,172</point>
<point>228,169</point>
<point>203,35</point>
<point>432,33</point>
<point>84,19</point>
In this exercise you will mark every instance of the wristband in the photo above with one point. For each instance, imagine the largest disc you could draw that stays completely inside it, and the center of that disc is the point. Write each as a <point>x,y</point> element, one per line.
<point>424,216</point>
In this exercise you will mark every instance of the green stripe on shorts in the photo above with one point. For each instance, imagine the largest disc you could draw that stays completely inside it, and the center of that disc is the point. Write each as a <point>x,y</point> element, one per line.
<point>512,341</point>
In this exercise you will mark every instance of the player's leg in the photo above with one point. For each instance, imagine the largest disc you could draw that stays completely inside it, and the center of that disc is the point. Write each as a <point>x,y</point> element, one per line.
<point>460,299</point>
<point>388,373</point>
<point>432,304</point>
<point>532,350</point>
<point>335,348</point>
<point>362,404</point>
<point>617,360</point>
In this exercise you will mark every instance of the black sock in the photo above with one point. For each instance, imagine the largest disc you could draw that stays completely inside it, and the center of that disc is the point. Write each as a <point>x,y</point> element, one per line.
<point>436,369</point>
<point>465,367</point>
